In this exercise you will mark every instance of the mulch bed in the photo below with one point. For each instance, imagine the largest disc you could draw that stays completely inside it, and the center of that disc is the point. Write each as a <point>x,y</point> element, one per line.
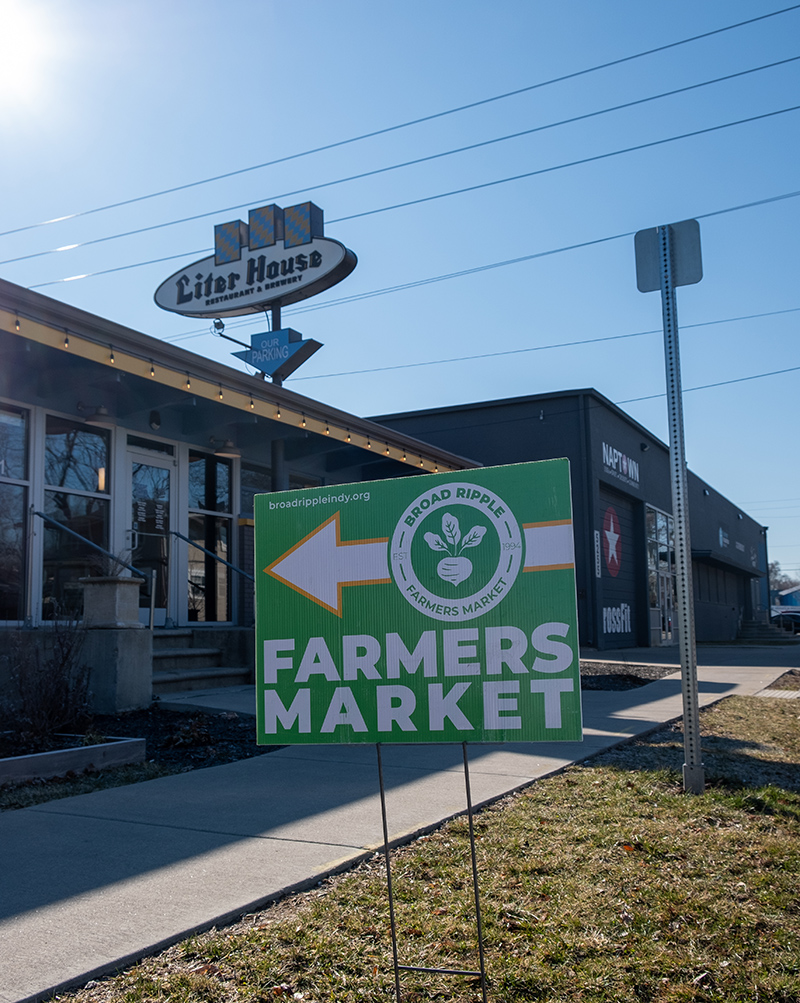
<point>174,738</point>
<point>190,740</point>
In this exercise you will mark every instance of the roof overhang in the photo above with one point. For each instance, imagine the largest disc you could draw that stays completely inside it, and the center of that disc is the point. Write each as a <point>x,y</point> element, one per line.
<point>709,557</point>
<point>75,333</point>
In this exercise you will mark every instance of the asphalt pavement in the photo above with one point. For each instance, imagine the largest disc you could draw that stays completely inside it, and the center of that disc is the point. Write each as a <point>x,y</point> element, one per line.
<point>92,883</point>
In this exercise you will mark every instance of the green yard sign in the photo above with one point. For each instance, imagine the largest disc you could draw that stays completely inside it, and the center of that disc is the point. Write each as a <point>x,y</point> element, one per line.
<point>438,608</point>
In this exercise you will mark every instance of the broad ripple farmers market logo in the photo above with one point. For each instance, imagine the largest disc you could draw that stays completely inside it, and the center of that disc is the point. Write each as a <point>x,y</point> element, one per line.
<point>456,551</point>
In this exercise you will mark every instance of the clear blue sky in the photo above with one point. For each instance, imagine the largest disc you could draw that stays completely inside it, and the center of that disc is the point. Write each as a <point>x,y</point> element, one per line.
<point>104,100</point>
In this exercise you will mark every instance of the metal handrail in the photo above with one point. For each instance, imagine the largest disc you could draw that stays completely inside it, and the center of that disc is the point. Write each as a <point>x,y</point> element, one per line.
<point>211,553</point>
<point>95,546</point>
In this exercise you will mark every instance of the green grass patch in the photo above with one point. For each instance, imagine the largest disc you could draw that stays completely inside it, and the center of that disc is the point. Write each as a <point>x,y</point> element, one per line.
<point>604,884</point>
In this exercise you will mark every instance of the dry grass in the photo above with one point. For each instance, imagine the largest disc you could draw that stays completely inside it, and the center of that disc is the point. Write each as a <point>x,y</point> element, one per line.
<point>604,883</point>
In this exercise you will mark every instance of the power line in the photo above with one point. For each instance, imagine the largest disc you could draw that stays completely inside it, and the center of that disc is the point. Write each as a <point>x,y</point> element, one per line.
<point>540,348</point>
<point>404,125</point>
<point>708,386</point>
<point>488,184</point>
<point>120,268</point>
<point>407,285</point>
<point>551,413</point>
<point>771,501</point>
<point>571,163</point>
<point>256,319</point>
<point>776,508</point>
<point>394,167</point>
<point>483,268</point>
<point>355,297</point>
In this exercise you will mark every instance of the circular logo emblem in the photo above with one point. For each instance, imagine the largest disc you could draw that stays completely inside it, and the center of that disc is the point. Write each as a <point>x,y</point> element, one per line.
<point>456,551</point>
<point>612,541</point>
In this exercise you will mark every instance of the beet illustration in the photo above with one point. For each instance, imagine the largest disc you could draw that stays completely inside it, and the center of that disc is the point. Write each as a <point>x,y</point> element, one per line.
<point>454,568</point>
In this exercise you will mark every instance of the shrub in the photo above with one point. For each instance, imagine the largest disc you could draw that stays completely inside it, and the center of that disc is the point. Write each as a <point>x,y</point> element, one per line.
<point>49,682</point>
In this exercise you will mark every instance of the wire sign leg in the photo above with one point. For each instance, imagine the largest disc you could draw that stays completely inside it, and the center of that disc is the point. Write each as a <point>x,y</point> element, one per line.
<point>388,875</point>
<point>475,874</point>
<point>420,968</point>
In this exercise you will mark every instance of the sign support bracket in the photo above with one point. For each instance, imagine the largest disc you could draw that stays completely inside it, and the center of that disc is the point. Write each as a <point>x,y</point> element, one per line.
<point>392,922</point>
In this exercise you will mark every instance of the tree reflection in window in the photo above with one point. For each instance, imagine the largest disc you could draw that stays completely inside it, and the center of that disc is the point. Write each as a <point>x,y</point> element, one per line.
<point>76,462</point>
<point>76,456</point>
<point>12,551</point>
<point>13,442</point>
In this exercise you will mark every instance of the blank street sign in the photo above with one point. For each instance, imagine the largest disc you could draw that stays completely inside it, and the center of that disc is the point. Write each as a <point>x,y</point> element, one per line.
<point>687,263</point>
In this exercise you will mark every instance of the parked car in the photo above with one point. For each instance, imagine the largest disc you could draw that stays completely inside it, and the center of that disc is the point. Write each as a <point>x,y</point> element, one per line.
<point>789,620</point>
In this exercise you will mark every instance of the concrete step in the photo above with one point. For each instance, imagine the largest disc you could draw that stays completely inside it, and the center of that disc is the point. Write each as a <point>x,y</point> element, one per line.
<point>780,637</point>
<point>180,637</point>
<point>757,632</point>
<point>176,681</point>
<point>185,659</point>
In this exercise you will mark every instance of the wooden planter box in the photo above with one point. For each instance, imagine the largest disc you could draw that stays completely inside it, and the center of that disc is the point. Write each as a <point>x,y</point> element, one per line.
<point>113,752</point>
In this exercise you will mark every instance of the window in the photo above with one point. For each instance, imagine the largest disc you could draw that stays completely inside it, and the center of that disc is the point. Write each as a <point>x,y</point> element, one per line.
<point>76,497</point>
<point>13,511</point>
<point>13,443</point>
<point>255,481</point>
<point>152,444</point>
<point>660,530</point>
<point>76,456</point>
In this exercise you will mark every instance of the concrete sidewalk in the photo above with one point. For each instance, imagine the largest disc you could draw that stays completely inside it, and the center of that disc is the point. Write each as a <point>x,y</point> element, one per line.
<point>94,882</point>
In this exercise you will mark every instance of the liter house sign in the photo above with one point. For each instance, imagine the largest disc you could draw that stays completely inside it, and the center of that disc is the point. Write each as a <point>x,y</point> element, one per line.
<point>423,609</point>
<point>279,255</point>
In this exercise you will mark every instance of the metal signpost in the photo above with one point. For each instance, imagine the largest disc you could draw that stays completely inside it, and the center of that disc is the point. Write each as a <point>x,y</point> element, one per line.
<point>418,610</point>
<point>666,257</point>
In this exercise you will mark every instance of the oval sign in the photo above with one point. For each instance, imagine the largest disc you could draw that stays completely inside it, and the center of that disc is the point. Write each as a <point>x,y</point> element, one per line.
<point>258,279</point>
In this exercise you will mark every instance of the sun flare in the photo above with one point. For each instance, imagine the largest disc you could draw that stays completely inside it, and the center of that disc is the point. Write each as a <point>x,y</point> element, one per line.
<point>29,49</point>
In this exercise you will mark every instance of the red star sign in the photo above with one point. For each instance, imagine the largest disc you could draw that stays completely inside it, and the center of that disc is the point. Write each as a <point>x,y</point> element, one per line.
<point>612,542</point>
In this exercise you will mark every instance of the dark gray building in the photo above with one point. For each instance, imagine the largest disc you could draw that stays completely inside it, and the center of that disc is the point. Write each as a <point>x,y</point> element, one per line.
<point>622,514</point>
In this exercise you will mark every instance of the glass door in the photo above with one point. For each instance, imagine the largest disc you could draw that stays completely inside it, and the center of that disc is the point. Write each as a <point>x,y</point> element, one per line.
<point>665,594</point>
<point>210,530</point>
<point>151,490</point>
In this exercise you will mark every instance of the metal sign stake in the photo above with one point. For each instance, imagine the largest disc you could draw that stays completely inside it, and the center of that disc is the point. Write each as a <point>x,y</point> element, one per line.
<point>475,874</point>
<point>424,968</point>
<point>387,857</point>
<point>693,770</point>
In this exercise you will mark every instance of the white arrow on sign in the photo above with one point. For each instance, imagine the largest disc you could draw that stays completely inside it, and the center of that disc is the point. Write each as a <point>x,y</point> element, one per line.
<point>321,564</point>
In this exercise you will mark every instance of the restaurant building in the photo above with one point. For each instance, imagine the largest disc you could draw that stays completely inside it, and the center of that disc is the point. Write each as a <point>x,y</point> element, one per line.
<point>115,440</point>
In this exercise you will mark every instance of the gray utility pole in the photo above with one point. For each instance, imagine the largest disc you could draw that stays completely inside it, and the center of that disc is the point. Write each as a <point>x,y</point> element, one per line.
<point>666,257</point>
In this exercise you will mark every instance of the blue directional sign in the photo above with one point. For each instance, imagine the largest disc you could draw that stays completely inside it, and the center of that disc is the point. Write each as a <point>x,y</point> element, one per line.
<point>278,353</point>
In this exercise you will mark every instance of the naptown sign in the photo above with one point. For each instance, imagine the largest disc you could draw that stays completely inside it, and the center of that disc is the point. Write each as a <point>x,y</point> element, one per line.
<point>278,256</point>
